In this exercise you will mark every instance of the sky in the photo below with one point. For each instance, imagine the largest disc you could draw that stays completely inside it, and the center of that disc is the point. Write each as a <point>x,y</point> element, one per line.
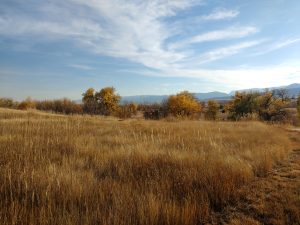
<point>52,48</point>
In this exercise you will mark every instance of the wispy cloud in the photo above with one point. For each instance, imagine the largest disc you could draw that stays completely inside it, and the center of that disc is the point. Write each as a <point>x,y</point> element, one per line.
<point>223,52</point>
<point>126,29</point>
<point>277,45</point>
<point>81,66</point>
<point>230,33</point>
<point>134,30</point>
<point>243,78</point>
<point>216,35</point>
<point>221,14</point>
<point>79,29</point>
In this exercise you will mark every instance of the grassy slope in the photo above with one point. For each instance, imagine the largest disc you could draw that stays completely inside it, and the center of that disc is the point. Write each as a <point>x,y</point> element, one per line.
<point>274,199</point>
<point>88,170</point>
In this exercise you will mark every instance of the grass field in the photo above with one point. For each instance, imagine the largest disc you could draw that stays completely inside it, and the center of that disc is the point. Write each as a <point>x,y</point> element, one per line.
<point>58,170</point>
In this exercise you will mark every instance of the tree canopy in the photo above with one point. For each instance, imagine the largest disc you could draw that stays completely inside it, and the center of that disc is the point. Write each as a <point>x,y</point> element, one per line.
<point>298,105</point>
<point>212,110</point>
<point>268,106</point>
<point>105,102</point>
<point>183,104</point>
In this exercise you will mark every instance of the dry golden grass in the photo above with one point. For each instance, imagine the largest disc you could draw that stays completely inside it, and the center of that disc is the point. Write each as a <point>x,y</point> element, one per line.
<point>58,169</point>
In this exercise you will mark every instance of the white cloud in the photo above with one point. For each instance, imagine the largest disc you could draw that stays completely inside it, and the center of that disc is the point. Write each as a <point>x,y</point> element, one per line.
<point>126,29</point>
<point>278,45</point>
<point>216,35</point>
<point>223,52</point>
<point>135,30</point>
<point>221,14</point>
<point>75,28</point>
<point>230,33</point>
<point>81,66</point>
<point>233,79</point>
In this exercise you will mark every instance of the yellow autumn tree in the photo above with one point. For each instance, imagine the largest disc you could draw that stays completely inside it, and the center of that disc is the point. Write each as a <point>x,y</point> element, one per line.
<point>127,110</point>
<point>89,101</point>
<point>298,105</point>
<point>7,103</point>
<point>107,101</point>
<point>242,104</point>
<point>212,110</point>
<point>28,103</point>
<point>270,107</point>
<point>183,104</point>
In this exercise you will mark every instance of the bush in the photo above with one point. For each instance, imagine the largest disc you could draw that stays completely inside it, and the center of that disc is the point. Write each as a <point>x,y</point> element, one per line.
<point>127,110</point>
<point>45,105</point>
<point>212,110</point>
<point>27,104</point>
<point>64,105</point>
<point>104,102</point>
<point>267,106</point>
<point>298,105</point>
<point>184,104</point>
<point>89,101</point>
<point>8,103</point>
<point>242,104</point>
<point>271,108</point>
<point>154,111</point>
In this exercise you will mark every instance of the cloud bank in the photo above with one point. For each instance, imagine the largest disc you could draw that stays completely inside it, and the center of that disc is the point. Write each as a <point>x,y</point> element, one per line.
<point>141,32</point>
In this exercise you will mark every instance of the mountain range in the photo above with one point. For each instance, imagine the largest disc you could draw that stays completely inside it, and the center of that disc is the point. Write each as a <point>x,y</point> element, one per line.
<point>292,90</point>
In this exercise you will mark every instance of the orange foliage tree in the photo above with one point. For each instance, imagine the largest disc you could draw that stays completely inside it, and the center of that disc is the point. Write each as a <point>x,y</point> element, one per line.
<point>89,101</point>
<point>107,100</point>
<point>183,104</point>
<point>28,103</point>
<point>212,110</point>
<point>298,105</point>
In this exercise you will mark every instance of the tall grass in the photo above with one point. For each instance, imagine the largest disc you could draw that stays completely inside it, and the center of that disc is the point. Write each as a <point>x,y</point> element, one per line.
<point>89,170</point>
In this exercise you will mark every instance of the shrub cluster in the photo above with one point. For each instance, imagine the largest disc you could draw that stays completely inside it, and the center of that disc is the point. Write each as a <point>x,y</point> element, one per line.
<point>127,110</point>
<point>184,104</point>
<point>105,102</point>
<point>298,105</point>
<point>64,105</point>
<point>153,111</point>
<point>8,103</point>
<point>266,106</point>
<point>212,109</point>
<point>28,103</point>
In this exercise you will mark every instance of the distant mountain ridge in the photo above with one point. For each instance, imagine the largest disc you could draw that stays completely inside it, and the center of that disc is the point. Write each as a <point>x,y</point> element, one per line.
<point>147,99</point>
<point>292,89</point>
<point>150,99</point>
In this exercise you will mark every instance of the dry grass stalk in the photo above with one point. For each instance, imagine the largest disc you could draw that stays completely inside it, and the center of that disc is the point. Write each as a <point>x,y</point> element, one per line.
<point>88,170</point>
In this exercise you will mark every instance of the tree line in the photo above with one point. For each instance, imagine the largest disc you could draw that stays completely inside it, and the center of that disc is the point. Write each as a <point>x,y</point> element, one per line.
<point>266,106</point>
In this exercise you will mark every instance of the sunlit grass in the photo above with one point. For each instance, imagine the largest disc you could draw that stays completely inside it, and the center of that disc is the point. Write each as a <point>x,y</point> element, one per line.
<point>58,169</point>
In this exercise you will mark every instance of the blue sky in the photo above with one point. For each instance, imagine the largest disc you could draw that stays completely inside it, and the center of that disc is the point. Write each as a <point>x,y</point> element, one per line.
<point>54,48</point>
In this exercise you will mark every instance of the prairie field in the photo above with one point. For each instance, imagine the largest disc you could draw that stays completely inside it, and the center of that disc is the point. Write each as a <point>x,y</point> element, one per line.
<point>57,169</point>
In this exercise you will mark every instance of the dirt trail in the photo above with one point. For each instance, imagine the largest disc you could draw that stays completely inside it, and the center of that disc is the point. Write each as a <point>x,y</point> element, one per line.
<point>274,199</point>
